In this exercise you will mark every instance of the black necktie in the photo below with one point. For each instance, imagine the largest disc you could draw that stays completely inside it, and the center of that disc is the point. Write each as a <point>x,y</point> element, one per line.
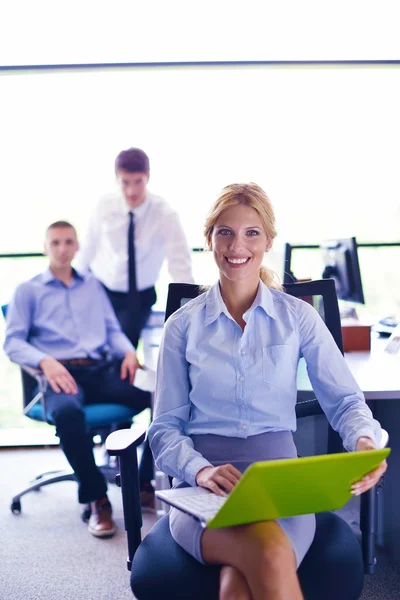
<point>131,257</point>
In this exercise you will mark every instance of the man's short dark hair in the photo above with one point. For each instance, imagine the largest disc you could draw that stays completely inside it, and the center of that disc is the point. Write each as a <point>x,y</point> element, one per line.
<point>133,160</point>
<point>60,225</point>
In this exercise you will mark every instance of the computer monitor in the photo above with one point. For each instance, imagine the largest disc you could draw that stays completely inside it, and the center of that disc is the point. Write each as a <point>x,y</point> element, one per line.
<point>340,258</point>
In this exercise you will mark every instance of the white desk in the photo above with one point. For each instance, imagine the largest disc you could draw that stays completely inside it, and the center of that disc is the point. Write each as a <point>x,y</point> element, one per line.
<point>378,375</point>
<point>376,372</point>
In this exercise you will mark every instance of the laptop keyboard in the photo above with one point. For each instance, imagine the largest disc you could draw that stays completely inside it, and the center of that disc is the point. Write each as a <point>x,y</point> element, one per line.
<point>205,504</point>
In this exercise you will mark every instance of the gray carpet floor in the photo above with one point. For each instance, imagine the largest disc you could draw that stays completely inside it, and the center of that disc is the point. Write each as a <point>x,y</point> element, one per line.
<point>46,552</point>
<point>384,584</point>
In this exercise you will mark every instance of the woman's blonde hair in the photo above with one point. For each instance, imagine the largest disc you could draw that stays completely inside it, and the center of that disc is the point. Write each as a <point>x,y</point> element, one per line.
<point>249,194</point>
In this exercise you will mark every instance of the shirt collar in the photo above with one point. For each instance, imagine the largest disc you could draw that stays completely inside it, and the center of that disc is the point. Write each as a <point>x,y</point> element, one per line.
<point>48,276</point>
<point>139,210</point>
<point>215,304</point>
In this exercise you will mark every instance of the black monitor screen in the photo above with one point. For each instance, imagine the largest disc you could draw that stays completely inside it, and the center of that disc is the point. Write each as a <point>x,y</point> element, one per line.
<point>341,264</point>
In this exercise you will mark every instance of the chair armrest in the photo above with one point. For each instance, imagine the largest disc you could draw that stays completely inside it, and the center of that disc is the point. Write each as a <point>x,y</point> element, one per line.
<point>35,373</point>
<point>29,373</point>
<point>123,443</point>
<point>307,407</point>
<point>384,439</point>
<point>124,440</point>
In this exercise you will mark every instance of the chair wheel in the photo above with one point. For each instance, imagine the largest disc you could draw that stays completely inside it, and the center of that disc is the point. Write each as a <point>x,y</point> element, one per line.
<point>86,513</point>
<point>16,507</point>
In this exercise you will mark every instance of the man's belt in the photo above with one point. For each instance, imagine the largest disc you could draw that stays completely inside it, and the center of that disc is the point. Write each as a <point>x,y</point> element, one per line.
<point>80,361</point>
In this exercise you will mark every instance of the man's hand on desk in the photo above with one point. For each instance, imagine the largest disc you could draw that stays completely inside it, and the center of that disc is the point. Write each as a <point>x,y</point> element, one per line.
<point>372,478</point>
<point>129,367</point>
<point>58,376</point>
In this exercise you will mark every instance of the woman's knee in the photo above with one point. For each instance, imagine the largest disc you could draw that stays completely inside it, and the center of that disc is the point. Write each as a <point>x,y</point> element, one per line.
<point>233,585</point>
<point>268,549</point>
<point>277,556</point>
<point>258,546</point>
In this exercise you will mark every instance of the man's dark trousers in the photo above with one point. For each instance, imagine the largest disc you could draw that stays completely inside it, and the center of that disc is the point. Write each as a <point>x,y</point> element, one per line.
<point>132,313</point>
<point>99,383</point>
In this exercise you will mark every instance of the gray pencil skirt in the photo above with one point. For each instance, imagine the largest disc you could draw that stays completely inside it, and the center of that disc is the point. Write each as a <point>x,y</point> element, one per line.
<point>220,450</point>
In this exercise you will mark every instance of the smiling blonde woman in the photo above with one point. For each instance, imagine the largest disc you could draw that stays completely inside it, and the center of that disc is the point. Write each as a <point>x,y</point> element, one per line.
<point>226,395</point>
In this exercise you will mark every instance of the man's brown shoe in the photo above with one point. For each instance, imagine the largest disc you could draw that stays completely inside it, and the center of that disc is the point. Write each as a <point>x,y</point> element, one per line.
<point>100,522</point>
<point>147,500</point>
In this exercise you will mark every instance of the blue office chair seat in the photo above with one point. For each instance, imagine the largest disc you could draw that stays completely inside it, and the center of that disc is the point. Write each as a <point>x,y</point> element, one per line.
<point>331,570</point>
<point>96,415</point>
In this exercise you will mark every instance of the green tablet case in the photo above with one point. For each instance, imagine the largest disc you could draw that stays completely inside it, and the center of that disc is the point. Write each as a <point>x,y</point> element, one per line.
<point>284,488</point>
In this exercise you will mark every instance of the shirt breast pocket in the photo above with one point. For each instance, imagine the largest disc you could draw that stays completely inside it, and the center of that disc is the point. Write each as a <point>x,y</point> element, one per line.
<point>277,365</point>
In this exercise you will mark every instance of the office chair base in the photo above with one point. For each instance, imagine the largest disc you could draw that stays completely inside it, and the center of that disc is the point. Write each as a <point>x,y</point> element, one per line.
<point>39,482</point>
<point>15,507</point>
<point>109,470</point>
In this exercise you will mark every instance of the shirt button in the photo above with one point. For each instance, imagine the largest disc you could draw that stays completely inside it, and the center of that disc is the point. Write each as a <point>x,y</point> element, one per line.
<point>243,352</point>
<point>244,426</point>
<point>241,378</point>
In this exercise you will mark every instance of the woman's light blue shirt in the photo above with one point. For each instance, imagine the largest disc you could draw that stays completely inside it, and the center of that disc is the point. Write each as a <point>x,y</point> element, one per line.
<point>212,377</point>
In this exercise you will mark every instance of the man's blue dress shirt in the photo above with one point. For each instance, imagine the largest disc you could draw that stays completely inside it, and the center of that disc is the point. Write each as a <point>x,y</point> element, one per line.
<point>212,377</point>
<point>48,318</point>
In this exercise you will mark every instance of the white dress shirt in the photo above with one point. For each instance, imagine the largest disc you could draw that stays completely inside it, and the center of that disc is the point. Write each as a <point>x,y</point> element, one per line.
<point>158,235</point>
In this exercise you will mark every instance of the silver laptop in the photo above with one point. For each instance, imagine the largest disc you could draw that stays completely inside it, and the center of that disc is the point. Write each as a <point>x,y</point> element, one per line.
<point>198,502</point>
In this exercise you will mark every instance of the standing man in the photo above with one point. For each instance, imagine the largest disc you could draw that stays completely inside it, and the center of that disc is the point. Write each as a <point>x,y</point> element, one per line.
<point>129,236</point>
<point>63,323</point>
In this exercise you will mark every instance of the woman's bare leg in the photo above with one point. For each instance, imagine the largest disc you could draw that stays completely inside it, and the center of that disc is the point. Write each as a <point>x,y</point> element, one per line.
<point>232,585</point>
<point>262,553</point>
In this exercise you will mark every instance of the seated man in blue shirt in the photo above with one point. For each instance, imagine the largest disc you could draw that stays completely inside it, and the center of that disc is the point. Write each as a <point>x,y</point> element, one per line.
<point>64,324</point>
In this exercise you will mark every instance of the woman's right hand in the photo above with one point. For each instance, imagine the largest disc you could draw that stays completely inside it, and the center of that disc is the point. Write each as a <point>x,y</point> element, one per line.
<point>220,480</point>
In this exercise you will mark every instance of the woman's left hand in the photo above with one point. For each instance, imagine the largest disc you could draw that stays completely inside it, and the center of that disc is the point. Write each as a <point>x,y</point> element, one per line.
<point>372,478</point>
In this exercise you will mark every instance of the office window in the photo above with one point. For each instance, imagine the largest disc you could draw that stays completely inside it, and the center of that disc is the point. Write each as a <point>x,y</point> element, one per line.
<point>322,141</point>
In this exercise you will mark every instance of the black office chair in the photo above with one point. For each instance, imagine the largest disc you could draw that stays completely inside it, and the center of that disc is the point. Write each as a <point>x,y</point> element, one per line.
<point>333,567</point>
<point>101,420</point>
